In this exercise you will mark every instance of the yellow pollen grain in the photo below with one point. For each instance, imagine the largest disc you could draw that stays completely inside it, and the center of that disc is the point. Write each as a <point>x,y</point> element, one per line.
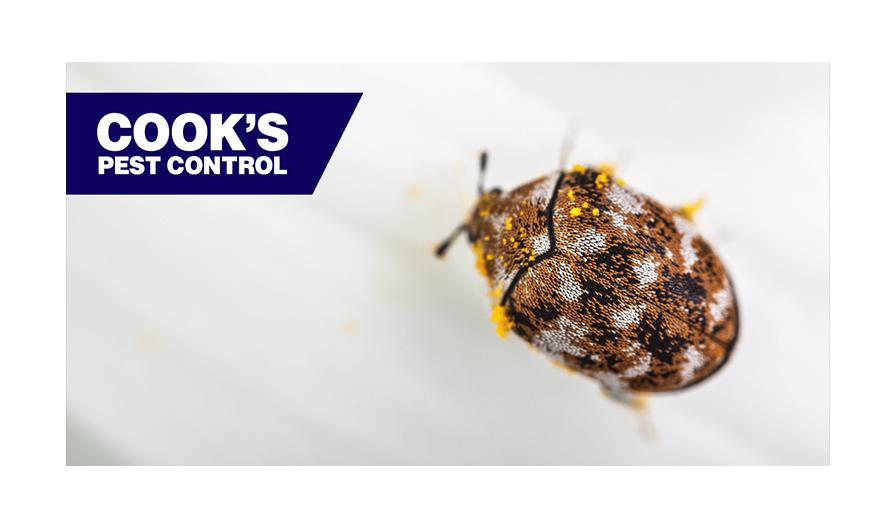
<point>501,320</point>
<point>571,195</point>
<point>621,182</point>
<point>516,245</point>
<point>585,205</point>
<point>509,224</point>
<point>489,257</point>
<point>531,258</point>
<point>690,209</point>
<point>601,180</point>
<point>578,168</point>
<point>480,259</point>
<point>596,211</point>
<point>606,168</point>
<point>575,212</point>
<point>512,239</point>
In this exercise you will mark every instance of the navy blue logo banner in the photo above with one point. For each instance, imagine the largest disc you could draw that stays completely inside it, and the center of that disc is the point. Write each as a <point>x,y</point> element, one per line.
<point>202,143</point>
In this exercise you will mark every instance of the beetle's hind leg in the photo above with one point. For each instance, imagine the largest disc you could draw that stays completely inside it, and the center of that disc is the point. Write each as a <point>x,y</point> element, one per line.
<point>631,399</point>
<point>639,403</point>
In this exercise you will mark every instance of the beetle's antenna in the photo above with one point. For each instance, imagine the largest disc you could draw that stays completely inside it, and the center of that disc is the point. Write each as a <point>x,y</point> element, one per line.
<point>483,164</point>
<point>442,248</point>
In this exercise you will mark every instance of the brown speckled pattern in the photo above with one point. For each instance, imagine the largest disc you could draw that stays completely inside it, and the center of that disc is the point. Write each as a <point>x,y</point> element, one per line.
<point>631,296</point>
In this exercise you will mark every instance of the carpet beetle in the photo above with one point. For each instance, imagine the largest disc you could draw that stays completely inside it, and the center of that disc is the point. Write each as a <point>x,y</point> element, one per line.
<point>605,280</point>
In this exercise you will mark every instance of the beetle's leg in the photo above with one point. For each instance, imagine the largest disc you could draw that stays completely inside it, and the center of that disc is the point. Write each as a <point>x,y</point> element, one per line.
<point>689,210</point>
<point>638,402</point>
<point>624,396</point>
<point>644,419</point>
<point>446,244</point>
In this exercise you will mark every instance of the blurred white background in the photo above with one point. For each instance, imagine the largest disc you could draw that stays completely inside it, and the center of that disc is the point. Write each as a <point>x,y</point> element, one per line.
<point>321,330</point>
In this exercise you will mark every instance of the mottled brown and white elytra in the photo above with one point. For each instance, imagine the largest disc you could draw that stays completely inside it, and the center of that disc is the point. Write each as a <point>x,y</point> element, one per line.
<point>605,280</point>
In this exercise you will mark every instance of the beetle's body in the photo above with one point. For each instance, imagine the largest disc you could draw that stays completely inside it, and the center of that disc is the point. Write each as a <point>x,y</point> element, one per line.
<point>605,280</point>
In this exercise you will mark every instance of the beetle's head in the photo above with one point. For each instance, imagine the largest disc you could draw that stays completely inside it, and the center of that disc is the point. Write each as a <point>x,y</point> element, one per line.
<point>474,224</point>
<point>481,212</point>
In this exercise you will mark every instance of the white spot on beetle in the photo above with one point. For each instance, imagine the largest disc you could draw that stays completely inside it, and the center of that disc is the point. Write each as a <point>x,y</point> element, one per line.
<point>646,271</point>
<point>559,340</point>
<point>694,360</point>
<point>629,316</point>
<point>618,221</point>
<point>589,241</point>
<point>569,288</point>
<point>540,244</point>
<point>540,194</point>
<point>688,252</point>
<point>628,202</point>
<point>718,308</point>
<point>612,383</point>
<point>638,369</point>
